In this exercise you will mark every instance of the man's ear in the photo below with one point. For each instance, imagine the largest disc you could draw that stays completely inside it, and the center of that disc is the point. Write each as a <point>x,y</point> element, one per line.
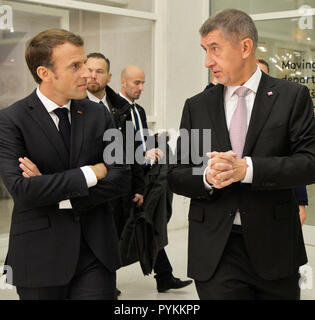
<point>109,77</point>
<point>247,47</point>
<point>123,82</point>
<point>44,73</point>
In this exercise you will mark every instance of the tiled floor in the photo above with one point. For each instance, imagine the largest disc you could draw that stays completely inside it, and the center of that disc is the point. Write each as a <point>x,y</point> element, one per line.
<point>135,286</point>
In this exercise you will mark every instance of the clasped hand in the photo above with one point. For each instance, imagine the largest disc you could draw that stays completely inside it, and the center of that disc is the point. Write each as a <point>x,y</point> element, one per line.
<point>224,168</point>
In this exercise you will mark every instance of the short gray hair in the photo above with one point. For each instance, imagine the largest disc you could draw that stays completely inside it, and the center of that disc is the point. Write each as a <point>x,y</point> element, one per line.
<point>232,21</point>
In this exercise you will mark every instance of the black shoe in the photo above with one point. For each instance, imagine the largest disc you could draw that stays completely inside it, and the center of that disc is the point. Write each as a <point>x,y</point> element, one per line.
<point>117,293</point>
<point>164,284</point>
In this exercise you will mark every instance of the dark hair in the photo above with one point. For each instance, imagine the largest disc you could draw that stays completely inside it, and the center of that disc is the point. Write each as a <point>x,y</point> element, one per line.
<point>231,22</point>
<point>39,49</point>
<point>99,56</point>
<point>262,61</point>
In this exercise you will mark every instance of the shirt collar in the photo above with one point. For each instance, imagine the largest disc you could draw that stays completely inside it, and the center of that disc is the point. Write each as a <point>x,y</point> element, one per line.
<point>48,104</point>
<point>93,98</point>
<point>252,83</point>
<point>126,98</point>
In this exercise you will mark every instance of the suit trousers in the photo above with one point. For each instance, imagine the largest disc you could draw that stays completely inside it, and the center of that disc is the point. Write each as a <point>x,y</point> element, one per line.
<point>91,281</point>
<point>162,266</point>
<point>235,278</point>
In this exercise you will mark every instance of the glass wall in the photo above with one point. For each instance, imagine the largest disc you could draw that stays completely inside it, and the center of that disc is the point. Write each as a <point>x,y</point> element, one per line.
<point>290,51</point>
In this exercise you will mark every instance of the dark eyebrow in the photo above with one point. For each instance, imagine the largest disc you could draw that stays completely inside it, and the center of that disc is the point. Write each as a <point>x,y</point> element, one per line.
<point>212,44</point>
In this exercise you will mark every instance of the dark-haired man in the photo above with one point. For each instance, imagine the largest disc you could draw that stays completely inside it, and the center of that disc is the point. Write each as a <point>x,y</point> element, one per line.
<point>63,242</point>
<point>100,76</point>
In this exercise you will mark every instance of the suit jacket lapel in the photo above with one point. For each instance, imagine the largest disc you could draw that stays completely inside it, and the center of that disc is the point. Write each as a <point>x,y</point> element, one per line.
<point>77,131</point>
<point>266,96</point>
<point>215,107</point>
<point>40,115</point>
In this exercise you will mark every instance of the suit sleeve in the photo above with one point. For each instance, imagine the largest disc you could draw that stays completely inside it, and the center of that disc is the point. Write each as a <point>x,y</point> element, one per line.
<point>301,196</point>
<point>115,185</point>
<point>297,168</point>
<point>35,191</point>
<point>181,177</point>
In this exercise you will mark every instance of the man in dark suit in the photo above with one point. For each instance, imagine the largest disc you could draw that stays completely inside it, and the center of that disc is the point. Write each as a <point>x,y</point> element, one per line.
<point>97,86</point>
<point>63,242</point>
<point>245,237</point>
<point>99,91</point>
<point>132,82</point>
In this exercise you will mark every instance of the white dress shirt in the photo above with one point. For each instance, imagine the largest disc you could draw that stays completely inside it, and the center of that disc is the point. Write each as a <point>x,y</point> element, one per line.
<point>93,98</point>
<point>89,174</point>
<point>133,121</point>
<point>230,103</point>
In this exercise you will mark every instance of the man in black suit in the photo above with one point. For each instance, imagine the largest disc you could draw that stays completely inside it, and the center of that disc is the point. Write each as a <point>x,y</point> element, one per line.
<point>63,242</point>
<point>97,86</point>
<point>99,91</point>
<point>132,83</point>
<point>245,237</point>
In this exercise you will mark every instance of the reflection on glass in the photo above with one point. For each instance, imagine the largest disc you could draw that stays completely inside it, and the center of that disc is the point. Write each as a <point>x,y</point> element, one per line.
<point>290,52</point>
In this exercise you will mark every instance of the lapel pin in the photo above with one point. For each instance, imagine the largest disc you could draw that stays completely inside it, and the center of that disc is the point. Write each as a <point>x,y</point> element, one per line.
<point>269,93</point>
<point>79,112</point>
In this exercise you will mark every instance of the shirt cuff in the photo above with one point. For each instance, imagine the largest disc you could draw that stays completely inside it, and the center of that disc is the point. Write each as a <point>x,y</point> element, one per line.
<point>90,176</point>
<point>65,204</point>
<point>249,172</point>
<point>206,184</point>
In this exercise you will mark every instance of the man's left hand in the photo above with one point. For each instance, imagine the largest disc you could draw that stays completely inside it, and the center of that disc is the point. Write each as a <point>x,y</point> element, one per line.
<point>220,167</point>
<point>138,199</point>
<point>154,155</point>
<point>302,213</point>
<point>239,167</point>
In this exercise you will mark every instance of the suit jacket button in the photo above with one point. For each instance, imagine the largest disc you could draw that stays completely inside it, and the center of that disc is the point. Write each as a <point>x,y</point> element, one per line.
<point>231,213</point>
<point>243,212</point>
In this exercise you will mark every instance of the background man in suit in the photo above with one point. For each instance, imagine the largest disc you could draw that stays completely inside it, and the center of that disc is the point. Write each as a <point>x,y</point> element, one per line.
<point>300,192</point>
<point>99,91</point>
<point>245,237</point>
<point>63,242</point>
<point>132,82</point>
<point>97,86</point>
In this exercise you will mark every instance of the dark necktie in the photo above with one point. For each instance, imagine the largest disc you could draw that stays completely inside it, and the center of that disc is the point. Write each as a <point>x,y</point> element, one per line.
<point>64,126</point>
<point>137,123</point>
<point>136,119</point>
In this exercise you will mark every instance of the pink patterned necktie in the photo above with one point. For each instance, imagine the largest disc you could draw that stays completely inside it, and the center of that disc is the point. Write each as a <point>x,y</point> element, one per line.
<point>238,125</point>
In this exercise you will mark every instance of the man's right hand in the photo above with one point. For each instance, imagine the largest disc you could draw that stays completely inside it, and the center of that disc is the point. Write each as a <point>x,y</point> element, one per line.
<point>154,154</point>
<point>220,169</point>
<point>100,170</point>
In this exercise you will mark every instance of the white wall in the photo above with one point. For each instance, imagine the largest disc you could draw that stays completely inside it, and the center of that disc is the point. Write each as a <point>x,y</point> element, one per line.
<point>186,74</point>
